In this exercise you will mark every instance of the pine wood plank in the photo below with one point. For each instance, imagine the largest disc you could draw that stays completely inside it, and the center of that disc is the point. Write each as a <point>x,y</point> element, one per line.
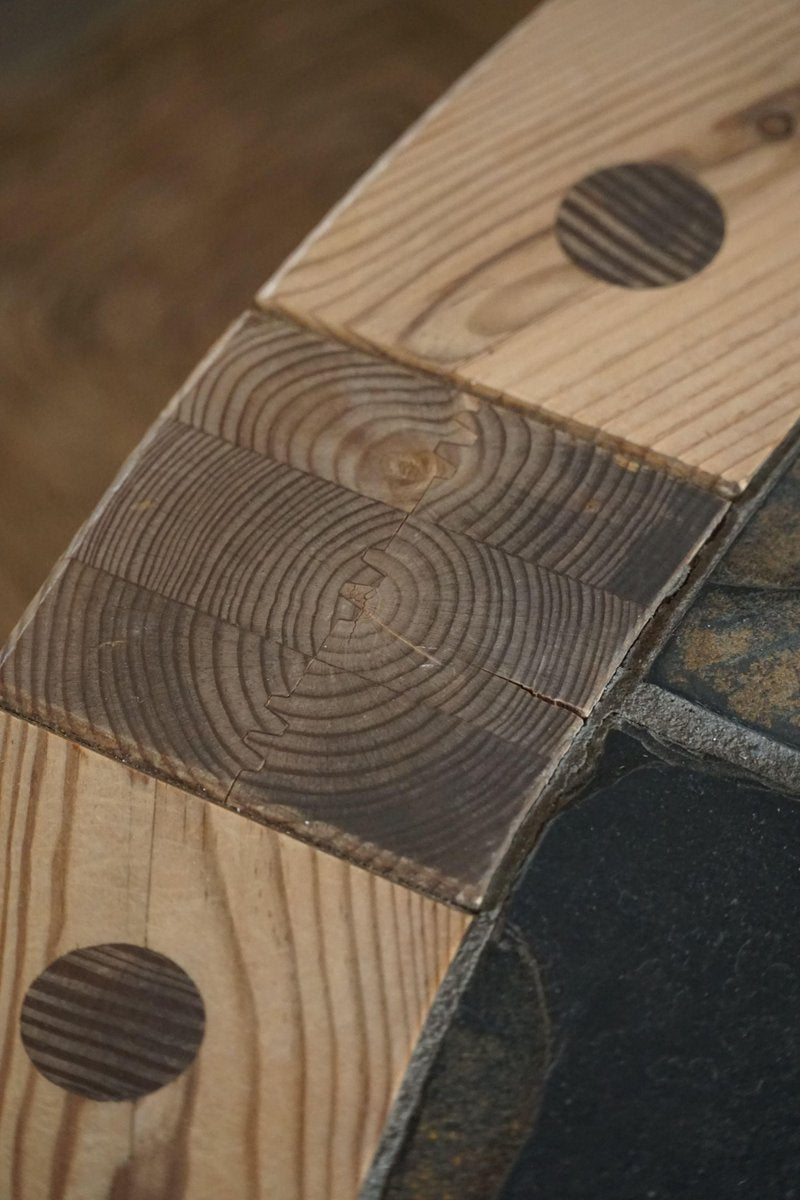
<point>354,603</point>
<point>315,977</point>
<point>451,254</point>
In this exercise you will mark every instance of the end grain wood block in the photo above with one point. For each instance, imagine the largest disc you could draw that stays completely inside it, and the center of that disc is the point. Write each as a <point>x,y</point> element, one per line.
<point>393,673</point>
<point>460,252</point>
<point>329,410</point>
<point>236,535</point>
<point>161,685</point>
<point>315,978</point>
<point>548,497</point>
<point>425,783</point>
<point>350,763</point>
<point>408,788</point>
<point>447,595</point>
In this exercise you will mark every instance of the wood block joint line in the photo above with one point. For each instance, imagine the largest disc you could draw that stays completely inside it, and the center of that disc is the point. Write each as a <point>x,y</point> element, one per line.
<point>362,591</point>
<point>636,453</point>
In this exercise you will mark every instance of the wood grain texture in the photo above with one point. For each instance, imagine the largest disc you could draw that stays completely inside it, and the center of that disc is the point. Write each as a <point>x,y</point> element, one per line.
<point>447,254</point>
<point>411,789</point>
<point>315,978</point>
<point>550,498</point>
<point>331,411</point>
<point>449,595</point>
<point>271,550</point>
<point>112,1022</point>
<point>144,678</point>
<point>235,535</point>
<point>359,605</point>
<point>640,225</point>
<point>426,784</point>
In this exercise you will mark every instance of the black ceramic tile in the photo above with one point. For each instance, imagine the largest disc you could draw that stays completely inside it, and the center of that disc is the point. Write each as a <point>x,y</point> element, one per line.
<point>633,1031</point>
<point>482,1095</point>
<point>737,651</point>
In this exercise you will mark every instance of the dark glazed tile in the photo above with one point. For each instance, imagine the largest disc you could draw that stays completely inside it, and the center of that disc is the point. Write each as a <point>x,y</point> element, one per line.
<point>737,650</point>
<point>659,917</point>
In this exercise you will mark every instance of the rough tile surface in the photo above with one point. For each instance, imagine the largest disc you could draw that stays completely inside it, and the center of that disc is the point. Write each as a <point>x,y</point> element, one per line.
<point>633,1030</point>
<point>354,602</point>
<point>737,650</point>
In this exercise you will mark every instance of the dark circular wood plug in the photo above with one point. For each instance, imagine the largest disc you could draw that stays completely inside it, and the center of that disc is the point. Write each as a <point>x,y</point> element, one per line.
<point>112,1022</point>
<point>640,225</point>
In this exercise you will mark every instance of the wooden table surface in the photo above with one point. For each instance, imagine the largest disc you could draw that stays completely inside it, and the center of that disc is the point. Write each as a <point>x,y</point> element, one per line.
<point>362,605</point>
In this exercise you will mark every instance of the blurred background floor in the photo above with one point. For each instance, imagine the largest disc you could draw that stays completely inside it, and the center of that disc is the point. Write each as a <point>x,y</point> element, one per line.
<point>158,160</point>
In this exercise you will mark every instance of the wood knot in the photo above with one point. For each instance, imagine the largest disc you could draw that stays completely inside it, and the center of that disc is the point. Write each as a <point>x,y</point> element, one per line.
<point>777,125</point>
<point>409,469</point>
<point>398,468</point>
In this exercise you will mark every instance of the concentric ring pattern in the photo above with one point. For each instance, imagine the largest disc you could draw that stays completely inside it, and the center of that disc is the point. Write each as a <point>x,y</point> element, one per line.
<point>353,602</point>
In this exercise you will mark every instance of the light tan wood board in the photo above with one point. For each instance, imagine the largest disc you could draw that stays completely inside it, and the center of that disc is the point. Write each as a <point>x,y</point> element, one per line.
<point>309,1021</point>
<point>446,255</point>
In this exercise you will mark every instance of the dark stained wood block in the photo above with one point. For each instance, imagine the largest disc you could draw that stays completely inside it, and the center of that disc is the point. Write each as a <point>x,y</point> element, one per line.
<point>368,424</point>
<point>157,683</point>
<point>354,603</point>
<point>386,779</point>
<point>360,645</point>
<point>558,500</point>
<point>449,595</point>
<point>427,787</point>
<point>236,535</point>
